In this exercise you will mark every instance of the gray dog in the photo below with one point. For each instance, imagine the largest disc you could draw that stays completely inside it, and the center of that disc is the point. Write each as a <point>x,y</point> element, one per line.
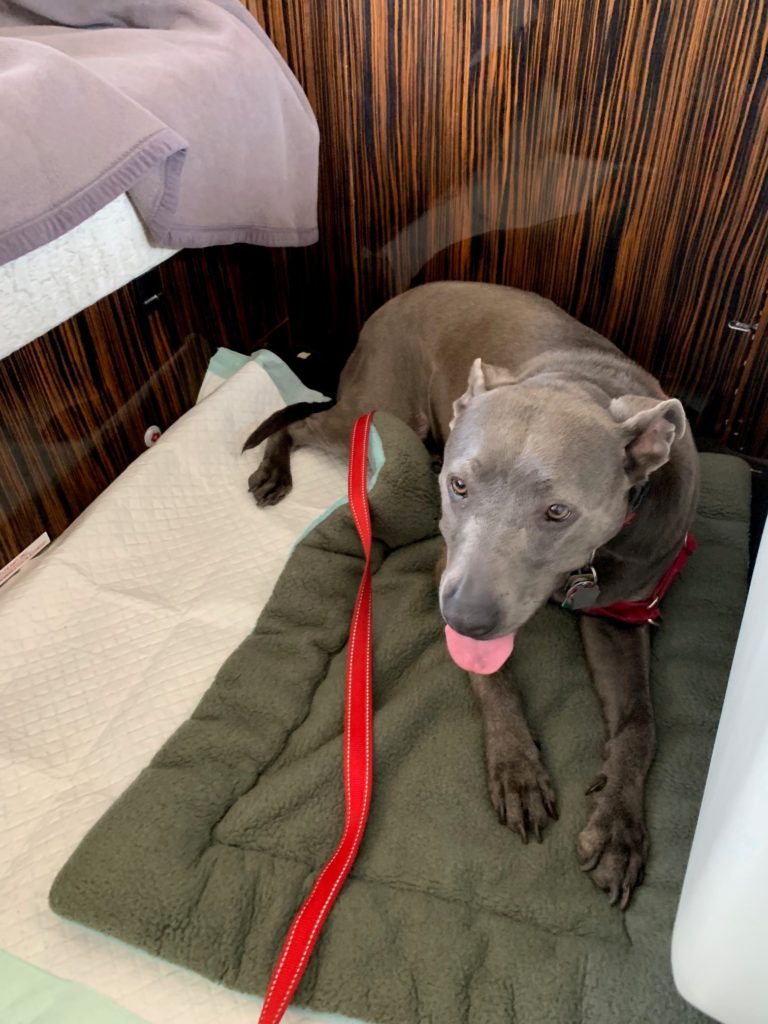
<point>567,475</point>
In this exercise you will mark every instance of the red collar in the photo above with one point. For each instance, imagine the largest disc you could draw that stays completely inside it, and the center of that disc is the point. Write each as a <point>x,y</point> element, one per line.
<point>636,613</point>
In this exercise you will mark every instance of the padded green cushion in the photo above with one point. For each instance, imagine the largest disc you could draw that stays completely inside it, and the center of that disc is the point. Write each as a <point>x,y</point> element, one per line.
<point>446,916</point>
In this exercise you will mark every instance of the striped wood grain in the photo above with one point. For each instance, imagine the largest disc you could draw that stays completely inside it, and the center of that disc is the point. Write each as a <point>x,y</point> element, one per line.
<point>610,154</point>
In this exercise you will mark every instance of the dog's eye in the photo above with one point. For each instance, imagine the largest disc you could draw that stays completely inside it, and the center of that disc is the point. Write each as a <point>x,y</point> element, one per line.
<point>458,487</point>
<point>558,513</point>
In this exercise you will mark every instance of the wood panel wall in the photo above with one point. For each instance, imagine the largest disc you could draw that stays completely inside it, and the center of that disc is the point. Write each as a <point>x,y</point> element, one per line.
<point>610,154</point>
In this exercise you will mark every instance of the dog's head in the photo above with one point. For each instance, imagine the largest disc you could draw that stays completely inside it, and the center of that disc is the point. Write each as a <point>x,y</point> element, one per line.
<point>535,477</point>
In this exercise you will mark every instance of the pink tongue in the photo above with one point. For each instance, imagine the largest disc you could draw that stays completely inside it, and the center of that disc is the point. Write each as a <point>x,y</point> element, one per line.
<point>481,656</point>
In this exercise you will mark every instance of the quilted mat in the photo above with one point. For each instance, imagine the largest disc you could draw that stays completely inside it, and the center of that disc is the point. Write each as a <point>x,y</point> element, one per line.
<point>107,642</point>
<point>446,916</point>
<point>73,271</point>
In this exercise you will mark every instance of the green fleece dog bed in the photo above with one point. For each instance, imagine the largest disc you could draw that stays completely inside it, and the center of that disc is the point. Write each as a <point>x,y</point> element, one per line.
<point>446,917</point>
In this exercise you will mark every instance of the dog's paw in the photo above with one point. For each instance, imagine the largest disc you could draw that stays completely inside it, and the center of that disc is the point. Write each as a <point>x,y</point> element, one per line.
<point>270,483</point>
<point>522,794</point>
<point>613,847</point>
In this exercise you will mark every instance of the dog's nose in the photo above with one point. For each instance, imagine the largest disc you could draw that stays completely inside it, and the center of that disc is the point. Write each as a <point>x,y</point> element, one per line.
<point>469,612</point>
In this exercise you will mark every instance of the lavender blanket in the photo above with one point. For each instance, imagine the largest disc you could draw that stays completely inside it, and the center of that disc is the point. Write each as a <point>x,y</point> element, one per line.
<point>184,104</point>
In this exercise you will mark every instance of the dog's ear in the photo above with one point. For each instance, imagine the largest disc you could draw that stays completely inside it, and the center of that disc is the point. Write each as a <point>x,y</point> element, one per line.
<point>482,377</point>
<point>650,428</point>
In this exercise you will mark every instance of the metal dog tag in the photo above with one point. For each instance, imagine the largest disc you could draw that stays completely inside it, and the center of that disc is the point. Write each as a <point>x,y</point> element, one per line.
<point>581,596</point>
<point>581,590</point>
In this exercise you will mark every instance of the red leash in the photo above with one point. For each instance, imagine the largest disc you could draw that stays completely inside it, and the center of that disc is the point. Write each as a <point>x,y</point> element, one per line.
<point>358,757</point>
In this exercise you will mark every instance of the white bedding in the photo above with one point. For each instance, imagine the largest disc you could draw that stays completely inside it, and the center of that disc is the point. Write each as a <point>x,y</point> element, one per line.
<point>47,286</point>
<point>107,641</point>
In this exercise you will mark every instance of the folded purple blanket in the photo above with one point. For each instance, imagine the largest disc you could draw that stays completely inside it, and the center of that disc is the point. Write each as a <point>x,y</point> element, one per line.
<point>184,104</point>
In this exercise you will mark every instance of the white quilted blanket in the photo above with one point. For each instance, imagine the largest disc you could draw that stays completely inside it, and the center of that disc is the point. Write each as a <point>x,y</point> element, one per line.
<point>47,286</point>
<point>107,641</point>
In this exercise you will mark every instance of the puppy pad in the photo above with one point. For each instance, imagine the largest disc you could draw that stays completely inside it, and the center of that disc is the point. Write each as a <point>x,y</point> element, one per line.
<point>446,915</point>
<point>108,640</point>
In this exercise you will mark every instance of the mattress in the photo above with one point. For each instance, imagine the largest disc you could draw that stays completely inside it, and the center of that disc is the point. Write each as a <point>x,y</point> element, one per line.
<point>47,286</point>
<point>107,642</point>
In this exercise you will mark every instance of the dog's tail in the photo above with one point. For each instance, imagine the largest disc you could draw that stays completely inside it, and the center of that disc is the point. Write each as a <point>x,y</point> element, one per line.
<point>284,418</point>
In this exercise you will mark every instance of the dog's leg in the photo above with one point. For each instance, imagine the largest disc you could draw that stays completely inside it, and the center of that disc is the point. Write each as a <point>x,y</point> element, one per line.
<point>272,480</point>
<point>521,792</point>
<point>614,844</point>
<point>329,430</point>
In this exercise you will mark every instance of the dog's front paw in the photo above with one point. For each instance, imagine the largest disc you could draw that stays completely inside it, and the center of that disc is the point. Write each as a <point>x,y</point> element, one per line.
<point>614,845</point>
<point>521,793</point>
<point>270,483</point>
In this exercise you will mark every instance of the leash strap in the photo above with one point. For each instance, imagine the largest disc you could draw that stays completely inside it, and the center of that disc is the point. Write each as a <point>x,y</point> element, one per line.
<point>358,757</point>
